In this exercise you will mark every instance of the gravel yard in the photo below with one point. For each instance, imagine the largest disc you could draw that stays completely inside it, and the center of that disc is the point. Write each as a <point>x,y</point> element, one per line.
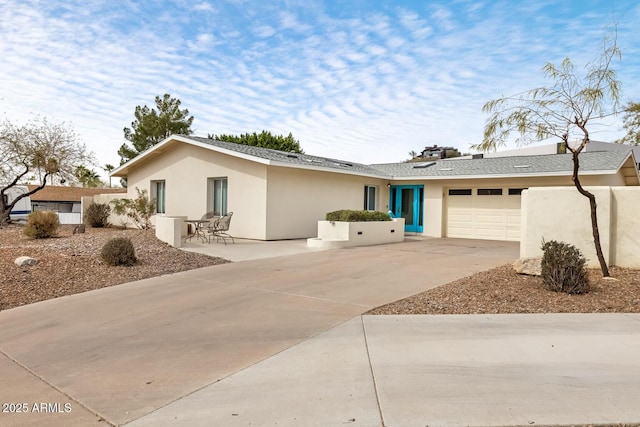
<point>502,290</point>
<point>70,264</point>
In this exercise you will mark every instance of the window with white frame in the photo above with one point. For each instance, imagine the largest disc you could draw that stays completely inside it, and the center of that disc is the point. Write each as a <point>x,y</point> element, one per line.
<point>369,198</point>
<point>217,195</point>
<point>158,192</point>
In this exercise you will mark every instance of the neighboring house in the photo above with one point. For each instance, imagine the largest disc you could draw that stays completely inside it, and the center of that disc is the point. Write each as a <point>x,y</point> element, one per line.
<point>438,153</point>
<point>278,195</point>
<point>65,200</point>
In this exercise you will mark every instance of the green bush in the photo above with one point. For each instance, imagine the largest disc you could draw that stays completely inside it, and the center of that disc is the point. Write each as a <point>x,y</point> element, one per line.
<point>357,216</point>
<point>563,268</point>
<point>42,225</point>
<point>97,215</point>
<point>119,251</point>
<point>139,210</point>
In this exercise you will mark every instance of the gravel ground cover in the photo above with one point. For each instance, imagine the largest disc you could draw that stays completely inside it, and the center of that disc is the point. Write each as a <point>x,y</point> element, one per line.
<point>502,290</point>
<point>71,263</point>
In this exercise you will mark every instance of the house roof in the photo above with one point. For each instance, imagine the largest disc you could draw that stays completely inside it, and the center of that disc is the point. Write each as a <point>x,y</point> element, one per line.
<point>591,163</point>
<point>256,154</point>
<point>59,193</point>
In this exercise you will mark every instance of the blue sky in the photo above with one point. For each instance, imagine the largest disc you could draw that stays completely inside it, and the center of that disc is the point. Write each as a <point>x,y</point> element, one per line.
<point>366,81</point>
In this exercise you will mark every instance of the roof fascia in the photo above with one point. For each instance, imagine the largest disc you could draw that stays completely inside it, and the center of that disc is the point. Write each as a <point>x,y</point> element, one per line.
<point>521,175</point>
<point>326,169</point>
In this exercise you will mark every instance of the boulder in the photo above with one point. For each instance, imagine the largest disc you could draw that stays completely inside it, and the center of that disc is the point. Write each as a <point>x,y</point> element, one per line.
<point>529,266</point>
<point>25,261</point>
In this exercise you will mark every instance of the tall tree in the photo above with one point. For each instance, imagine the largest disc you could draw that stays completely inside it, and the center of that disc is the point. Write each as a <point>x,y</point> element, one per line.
<point>108,168</point>
<point>631,122</point>
<point>152,125</point>
<point>37,151</point>
<point>263,139</point>
<point>563,110</point>
<point>87,177</point>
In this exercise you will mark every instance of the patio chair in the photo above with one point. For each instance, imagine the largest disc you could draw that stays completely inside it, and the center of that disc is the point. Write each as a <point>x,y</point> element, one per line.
<point>210,215</point>
<point>220,228</point>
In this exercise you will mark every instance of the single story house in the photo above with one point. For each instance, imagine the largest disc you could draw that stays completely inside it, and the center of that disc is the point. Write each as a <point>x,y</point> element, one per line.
<point>278,195</point>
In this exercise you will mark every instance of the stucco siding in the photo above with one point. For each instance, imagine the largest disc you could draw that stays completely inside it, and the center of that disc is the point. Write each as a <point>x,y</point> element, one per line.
<point>298,199</point>
<point>186,169</point>
<point>625,227</point>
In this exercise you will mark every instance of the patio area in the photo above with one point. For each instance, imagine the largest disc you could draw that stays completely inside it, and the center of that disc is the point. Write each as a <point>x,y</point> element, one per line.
<point>246,249</point>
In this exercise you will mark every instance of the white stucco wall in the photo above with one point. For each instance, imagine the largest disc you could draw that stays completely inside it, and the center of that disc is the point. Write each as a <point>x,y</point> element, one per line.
<point>186,169</point>
<point>625,227</point>
<point>563,214</point>
<point>298,199</point>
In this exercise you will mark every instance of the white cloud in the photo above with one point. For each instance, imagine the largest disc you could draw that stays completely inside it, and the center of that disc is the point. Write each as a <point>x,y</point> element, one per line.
<point>369,86</point>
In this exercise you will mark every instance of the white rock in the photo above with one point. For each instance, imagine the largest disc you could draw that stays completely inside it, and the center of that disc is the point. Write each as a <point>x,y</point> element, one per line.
<point>529,266</point>
<point>24,261</point>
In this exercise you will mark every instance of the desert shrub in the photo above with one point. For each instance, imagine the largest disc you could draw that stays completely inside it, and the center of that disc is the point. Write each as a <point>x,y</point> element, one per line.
<point>357,216</point>
<point>97,215</point>
<point>139,210</point>
<point>563,268</point>
<point>119,251</point>
<point>42,225</point>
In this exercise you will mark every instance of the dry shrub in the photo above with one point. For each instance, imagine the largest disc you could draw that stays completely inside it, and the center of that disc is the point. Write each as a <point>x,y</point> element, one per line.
<point>563,268</point>
<point>42,225</point>
<point>119,251</point>
<point>97,215</point>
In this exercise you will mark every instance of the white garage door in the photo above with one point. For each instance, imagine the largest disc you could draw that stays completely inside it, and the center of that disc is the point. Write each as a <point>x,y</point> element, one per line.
<point>483,213</point>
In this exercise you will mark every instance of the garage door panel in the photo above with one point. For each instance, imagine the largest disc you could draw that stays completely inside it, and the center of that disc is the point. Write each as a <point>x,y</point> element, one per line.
<point>484,217</point>
<point>488,217</point>
<point>513,234</point>
<point>513,220</point>
<point>489,233</point>
<point>461,217</point>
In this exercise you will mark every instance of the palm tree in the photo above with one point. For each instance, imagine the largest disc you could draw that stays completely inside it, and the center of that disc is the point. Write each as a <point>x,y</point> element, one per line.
<point>88,177</point>
<point>108,168</point>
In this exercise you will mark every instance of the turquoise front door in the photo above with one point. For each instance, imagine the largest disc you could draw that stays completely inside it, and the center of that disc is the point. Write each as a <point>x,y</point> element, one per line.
<point>407,202</point>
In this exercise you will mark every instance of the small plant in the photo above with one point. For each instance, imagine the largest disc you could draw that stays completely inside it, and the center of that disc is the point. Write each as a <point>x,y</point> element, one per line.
<point>140,209</point>
<point>563,268</point>
<point>42,225</point>
<point>97,215</point>
<point>357,216</point>
<point>119,251</point>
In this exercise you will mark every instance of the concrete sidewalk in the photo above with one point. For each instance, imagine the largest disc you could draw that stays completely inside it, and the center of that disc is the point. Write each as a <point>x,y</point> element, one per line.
<point>481,370</point>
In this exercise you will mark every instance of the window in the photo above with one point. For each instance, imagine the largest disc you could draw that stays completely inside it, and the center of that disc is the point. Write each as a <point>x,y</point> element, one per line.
<point>369,198</point>
<point>158,190</point>
<point>460,192</point>
<point>489,191</point>
<point>516,191</point>
<point>217,195</point>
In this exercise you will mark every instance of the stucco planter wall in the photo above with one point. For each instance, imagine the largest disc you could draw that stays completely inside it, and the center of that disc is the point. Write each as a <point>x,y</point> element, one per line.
<point>338,234</point>
<point>563,214</point>
<point>171,229</point>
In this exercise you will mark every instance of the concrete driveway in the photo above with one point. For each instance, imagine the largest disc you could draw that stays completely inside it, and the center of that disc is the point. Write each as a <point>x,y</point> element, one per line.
<point>118,354</point>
